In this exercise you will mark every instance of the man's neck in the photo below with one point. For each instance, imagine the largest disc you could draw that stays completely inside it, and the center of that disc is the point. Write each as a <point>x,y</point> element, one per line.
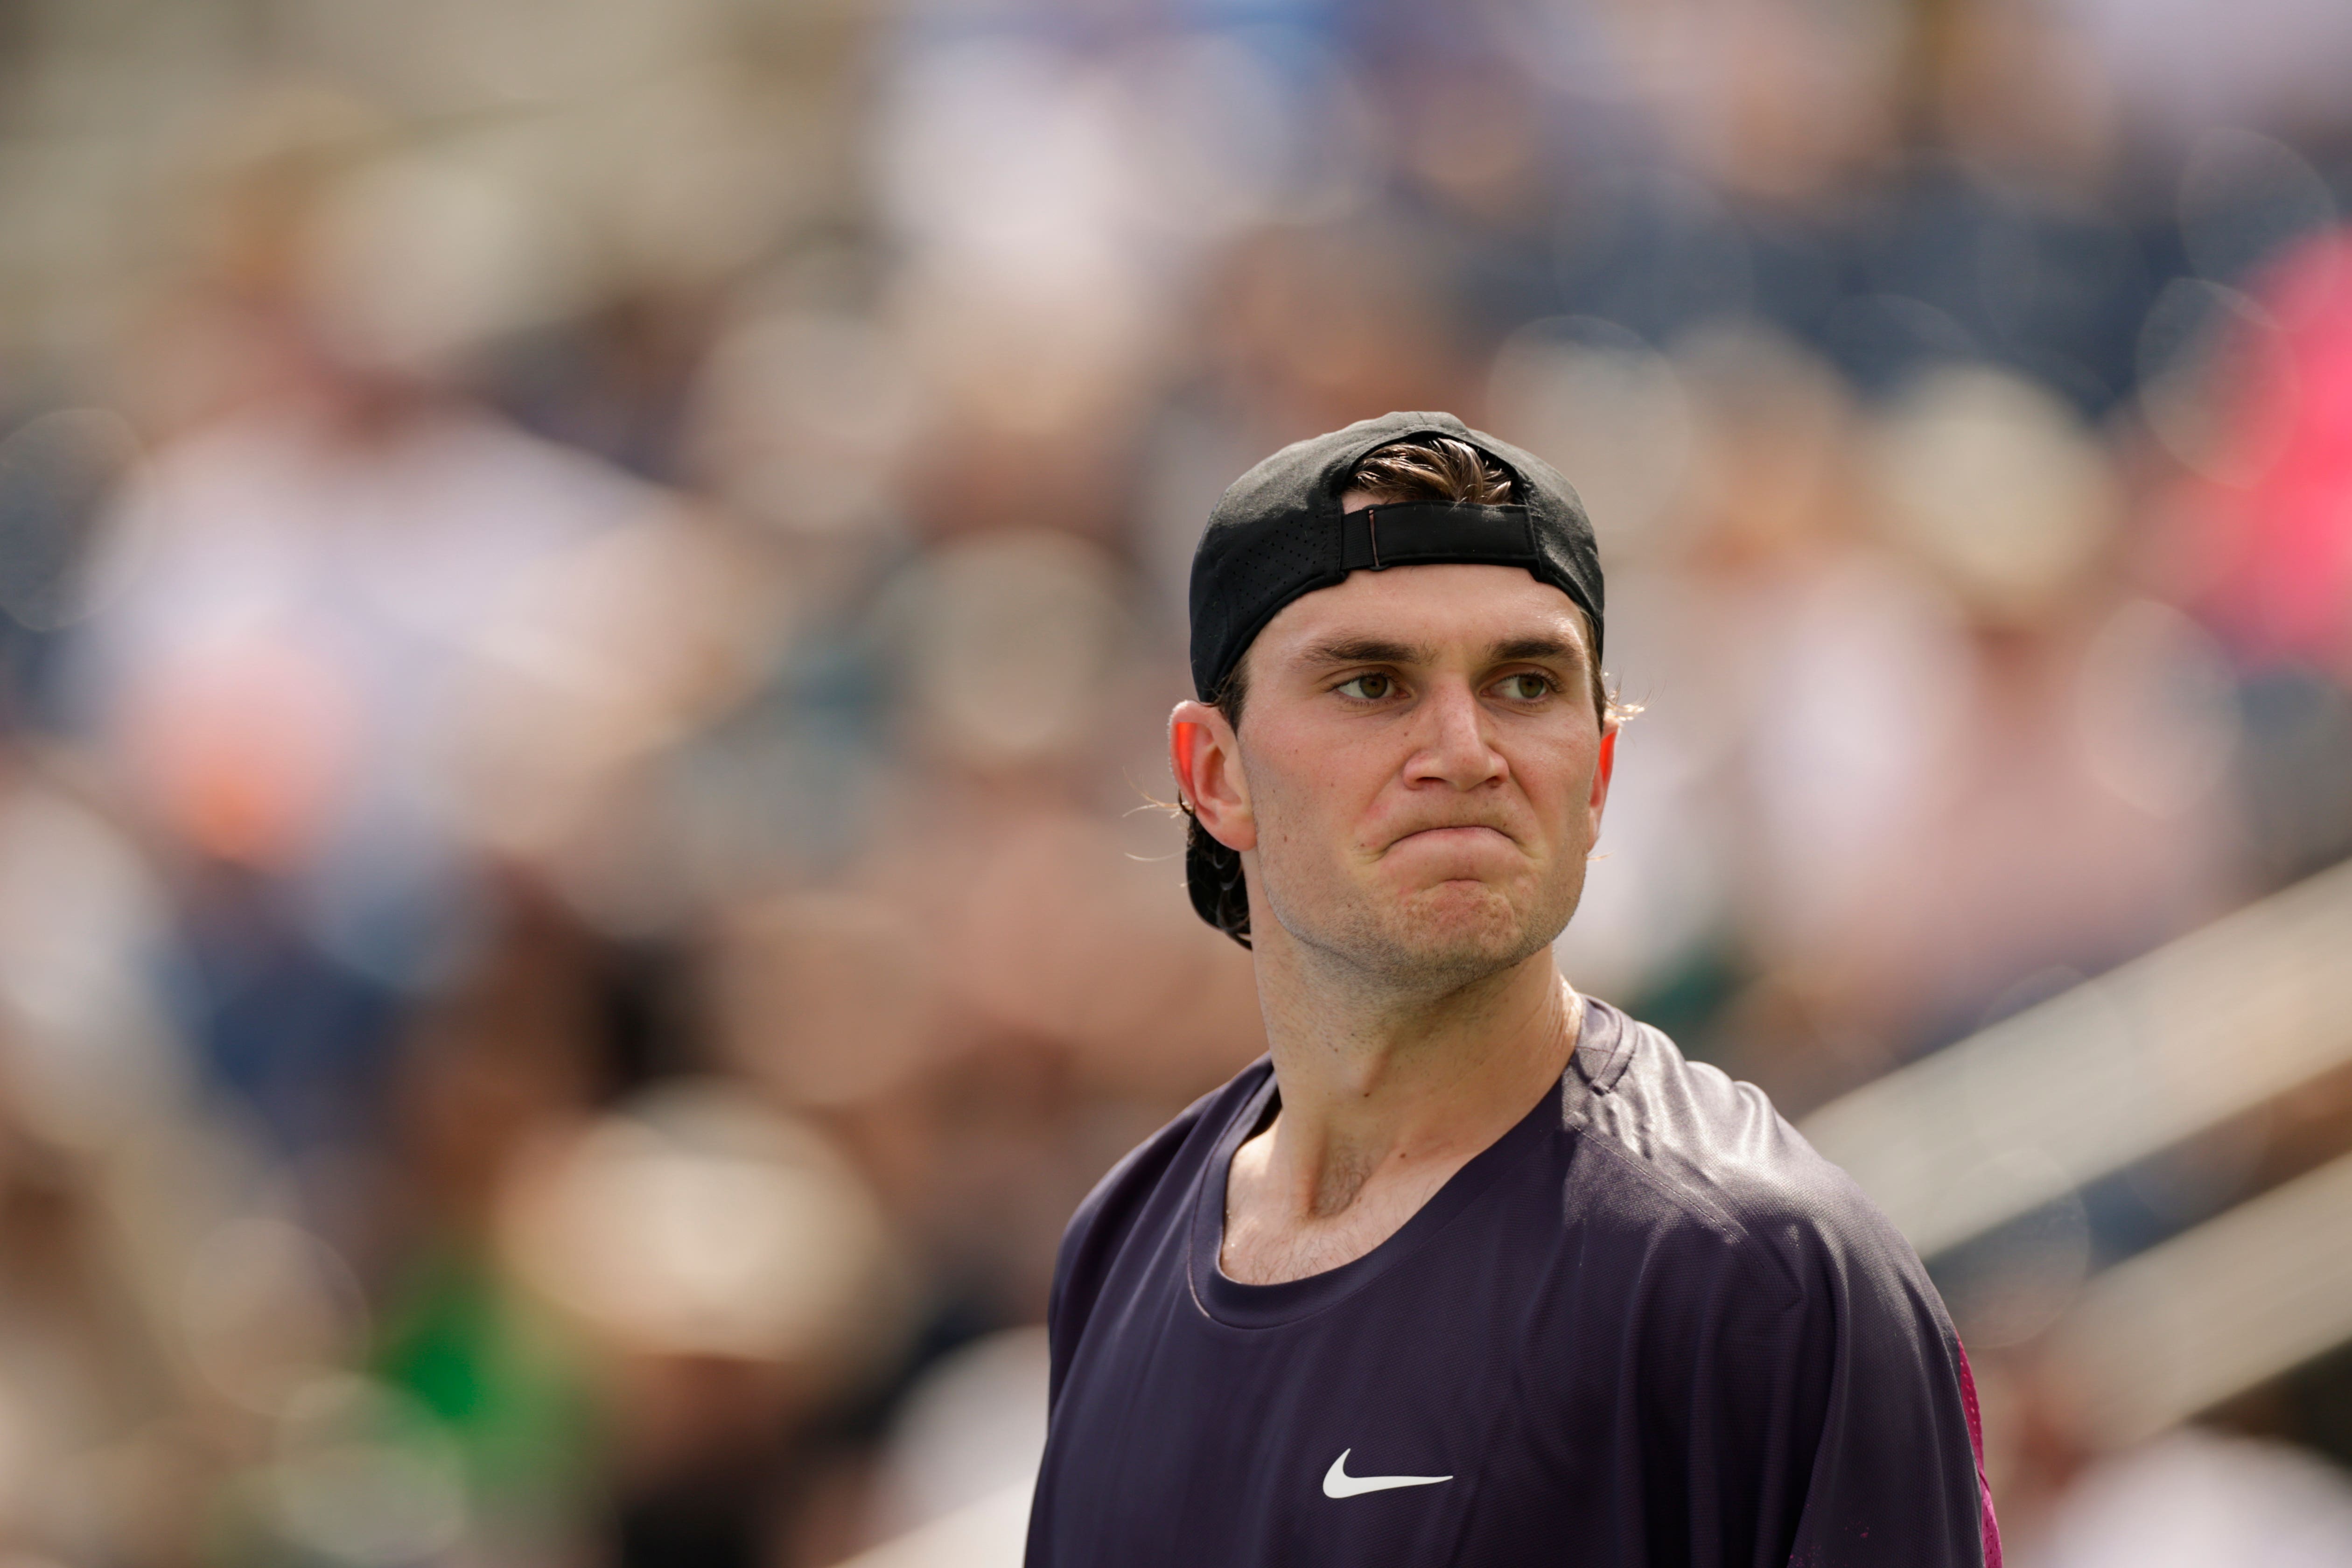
<point>1385,1094</point>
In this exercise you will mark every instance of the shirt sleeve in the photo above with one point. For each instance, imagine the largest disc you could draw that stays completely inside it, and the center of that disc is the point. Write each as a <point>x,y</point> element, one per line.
<point>1831,1417</point>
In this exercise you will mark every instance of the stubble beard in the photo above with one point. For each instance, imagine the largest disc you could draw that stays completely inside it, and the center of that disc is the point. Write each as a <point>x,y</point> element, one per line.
<point>1431,942</point>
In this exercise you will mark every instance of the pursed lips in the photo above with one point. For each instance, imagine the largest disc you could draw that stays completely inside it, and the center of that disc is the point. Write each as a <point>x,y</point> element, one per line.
<point>1444,832</point>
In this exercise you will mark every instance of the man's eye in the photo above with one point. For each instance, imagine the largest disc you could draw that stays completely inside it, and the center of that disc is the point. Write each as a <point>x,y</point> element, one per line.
<point>1526,686</point>
<point>1368,687</point>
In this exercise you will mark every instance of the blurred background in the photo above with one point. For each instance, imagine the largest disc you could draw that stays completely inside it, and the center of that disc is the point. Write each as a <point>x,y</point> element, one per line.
<point>591,591</point>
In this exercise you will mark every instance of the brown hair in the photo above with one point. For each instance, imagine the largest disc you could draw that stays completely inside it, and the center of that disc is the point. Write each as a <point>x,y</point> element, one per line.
<point>1427,467</point>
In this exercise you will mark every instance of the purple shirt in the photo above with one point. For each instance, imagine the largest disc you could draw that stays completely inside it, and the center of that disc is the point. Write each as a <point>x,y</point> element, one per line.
<point>1647,1328</point>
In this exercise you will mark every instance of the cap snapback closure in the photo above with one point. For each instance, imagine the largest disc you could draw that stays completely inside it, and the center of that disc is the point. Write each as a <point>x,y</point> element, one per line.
<point>1416,532</point>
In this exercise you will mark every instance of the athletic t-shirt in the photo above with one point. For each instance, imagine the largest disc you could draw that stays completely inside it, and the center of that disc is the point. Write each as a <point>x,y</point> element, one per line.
<point>1647,1328</point>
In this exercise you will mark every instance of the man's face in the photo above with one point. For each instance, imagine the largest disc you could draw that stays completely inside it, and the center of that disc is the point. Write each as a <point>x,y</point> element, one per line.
<point>1422,772</point>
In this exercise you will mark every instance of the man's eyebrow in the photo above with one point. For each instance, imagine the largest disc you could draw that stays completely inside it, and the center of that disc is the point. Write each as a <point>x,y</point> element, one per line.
<point>1368,650</point>
<point>1545,648</point>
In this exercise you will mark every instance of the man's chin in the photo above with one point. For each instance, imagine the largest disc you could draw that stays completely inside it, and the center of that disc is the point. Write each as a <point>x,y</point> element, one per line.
<point>1436,933</point>
<point>1458,928</point>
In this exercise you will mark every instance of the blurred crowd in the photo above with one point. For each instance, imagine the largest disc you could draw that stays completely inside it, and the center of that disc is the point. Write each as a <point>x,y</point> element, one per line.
<point>590,590</point>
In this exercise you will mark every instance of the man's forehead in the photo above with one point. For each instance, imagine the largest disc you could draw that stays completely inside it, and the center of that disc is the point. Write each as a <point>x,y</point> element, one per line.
<point>1479,608</point>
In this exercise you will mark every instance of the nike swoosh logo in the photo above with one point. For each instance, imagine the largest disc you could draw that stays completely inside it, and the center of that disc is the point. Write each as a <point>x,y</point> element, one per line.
<point>1337,1482</point>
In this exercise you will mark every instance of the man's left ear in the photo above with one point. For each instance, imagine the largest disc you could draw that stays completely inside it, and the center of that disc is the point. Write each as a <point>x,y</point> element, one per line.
<point>1603,766</point>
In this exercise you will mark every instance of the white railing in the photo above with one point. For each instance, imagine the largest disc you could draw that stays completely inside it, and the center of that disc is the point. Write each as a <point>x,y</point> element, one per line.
<point>2199,1031</point>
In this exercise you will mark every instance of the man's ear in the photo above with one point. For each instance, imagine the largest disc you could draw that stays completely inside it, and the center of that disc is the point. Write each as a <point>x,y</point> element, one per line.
<point>1604,765</point>
<point>1206,759</point>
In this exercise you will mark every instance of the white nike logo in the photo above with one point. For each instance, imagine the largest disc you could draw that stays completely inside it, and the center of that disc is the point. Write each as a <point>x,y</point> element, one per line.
<point>1337,1482</point>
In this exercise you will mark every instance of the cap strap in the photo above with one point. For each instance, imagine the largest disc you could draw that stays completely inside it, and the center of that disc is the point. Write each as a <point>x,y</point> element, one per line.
<point>1411,533</point>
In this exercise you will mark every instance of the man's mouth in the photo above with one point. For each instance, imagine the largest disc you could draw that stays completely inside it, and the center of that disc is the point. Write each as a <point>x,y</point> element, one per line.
<point>1462,832</point>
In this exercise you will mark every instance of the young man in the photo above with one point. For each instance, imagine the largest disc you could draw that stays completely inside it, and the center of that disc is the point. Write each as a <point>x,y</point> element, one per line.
<point>1471,1269</point>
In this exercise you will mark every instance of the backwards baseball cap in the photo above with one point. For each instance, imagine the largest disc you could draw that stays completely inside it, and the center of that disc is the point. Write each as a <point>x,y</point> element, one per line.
<point>1278,532</point>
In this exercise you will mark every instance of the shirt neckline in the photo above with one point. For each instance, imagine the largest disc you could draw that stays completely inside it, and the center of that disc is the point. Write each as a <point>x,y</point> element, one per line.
<point>1594,1065</point>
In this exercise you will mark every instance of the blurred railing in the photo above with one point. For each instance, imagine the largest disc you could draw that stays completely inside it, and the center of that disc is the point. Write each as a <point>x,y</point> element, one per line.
<point>2081,1086</point>
<point>2203,1029</point>
<point>2216,1310</point>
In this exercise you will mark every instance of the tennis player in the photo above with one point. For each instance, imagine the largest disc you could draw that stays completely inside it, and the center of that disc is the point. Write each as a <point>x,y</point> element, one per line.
<point>1470,1269</point>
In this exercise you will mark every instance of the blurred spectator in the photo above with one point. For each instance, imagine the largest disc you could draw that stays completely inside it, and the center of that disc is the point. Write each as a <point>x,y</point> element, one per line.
<point>587,599</point>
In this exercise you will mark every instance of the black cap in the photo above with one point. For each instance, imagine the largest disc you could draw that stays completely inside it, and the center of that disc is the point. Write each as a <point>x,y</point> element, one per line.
<point>1277,532</point>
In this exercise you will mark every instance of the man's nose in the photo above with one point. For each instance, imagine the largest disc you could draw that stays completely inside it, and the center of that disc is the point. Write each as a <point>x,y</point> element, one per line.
<point>1454,746</point>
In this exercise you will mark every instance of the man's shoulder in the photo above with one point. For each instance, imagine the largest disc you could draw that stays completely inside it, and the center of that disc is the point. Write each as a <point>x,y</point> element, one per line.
<point>1176,1150</point>
<point>1156,1177</point>
<point>1681,1145</point>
